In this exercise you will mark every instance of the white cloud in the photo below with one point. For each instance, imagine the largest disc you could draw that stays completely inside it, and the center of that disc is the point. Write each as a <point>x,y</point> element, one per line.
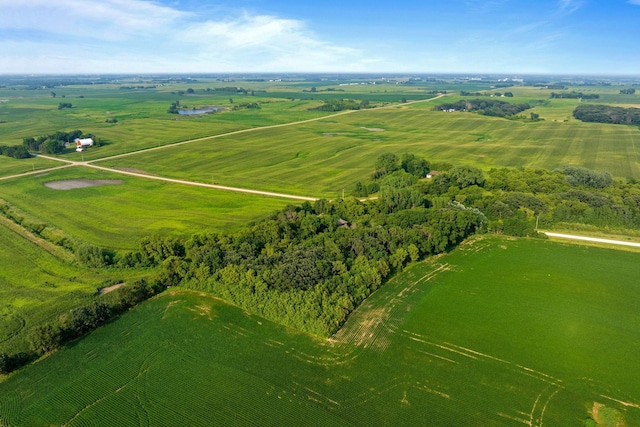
<point>139,35</point>
<point>567,7</point>
<point>99,19</point>
<point>268,42</point>
<point>636,2</point>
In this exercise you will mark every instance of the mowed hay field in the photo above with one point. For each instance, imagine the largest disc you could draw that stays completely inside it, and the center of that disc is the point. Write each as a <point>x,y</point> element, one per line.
<point>323,157</point>
<point>500,332</point>
<point>116,216</point>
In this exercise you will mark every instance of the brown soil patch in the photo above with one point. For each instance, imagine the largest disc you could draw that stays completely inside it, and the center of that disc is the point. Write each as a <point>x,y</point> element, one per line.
<point>110,288</point>
<point>71,184</point>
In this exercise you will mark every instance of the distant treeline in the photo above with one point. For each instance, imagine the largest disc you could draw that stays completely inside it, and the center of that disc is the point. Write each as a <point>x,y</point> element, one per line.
<point>487,107</point>
<point>556,86</point>
<point>629,91</point>
<point>465,93</point>
<point>607,114</point>
<point>574,95</point>
<point>138,87</point>
<point>342,104</point>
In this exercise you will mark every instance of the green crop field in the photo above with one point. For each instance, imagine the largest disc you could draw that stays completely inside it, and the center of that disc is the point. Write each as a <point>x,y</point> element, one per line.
<point>9,166</point>
<point>500,332</point>
<point>321,158</point>
<point>116,216</point>
<point>142,116</point>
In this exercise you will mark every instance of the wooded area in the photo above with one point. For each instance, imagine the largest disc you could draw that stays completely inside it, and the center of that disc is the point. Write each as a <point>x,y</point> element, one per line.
<point>607,114</point>
<point>487,107</point>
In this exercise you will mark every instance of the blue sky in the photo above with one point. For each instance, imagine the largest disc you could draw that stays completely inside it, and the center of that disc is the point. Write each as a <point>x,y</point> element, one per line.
<point>586,37</point>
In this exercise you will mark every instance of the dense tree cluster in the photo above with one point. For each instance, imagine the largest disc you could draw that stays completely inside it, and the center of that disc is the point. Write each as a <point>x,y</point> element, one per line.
<point>342,105</point>
<point>514,200</point>
<point>579,176</point>
<point>247,106</point>
<point>607,114</point>
<point>55,143</point>
<point>63,105</point>
<point>174,108</point>
<point>15,151</point>
<point>487,107</point>
<point>629,91</point>
<point>232,89</point>
<point>310,266</point>
<point>573,95</point>
<point>467,93</point>
<point>11,362</point>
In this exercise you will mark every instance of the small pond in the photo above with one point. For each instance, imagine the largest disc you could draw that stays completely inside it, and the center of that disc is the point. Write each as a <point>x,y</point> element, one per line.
<point>193,112</point>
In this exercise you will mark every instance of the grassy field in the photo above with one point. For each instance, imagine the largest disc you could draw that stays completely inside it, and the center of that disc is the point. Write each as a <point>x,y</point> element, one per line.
<point>36,286</point>
<point>500,332</point>
<point>9,166</point>
<point>116,216</point>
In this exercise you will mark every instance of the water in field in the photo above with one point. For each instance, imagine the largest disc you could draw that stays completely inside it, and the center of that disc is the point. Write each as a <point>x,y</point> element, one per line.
<point>193,112</point>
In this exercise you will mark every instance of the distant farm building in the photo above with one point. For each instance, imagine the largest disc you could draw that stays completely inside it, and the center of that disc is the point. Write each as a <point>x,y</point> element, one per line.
<point>432,174</point>
<point>82,143</point>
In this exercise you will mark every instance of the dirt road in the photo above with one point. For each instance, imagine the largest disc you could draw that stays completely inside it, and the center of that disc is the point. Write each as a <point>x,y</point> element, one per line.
<point>90,163</point>
<point>593,239</point>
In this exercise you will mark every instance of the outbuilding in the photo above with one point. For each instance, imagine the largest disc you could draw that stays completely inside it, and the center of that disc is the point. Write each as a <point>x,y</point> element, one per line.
<point>82,143</point>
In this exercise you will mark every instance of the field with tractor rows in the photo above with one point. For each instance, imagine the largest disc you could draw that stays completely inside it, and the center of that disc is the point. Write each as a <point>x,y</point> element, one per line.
<point>321,158</point>
<point>504,332</point>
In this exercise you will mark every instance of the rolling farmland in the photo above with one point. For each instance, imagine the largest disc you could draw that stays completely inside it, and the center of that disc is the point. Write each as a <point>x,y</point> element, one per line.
<point>328,155</point>
<point>501,331</point>
<point>448,341</point>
